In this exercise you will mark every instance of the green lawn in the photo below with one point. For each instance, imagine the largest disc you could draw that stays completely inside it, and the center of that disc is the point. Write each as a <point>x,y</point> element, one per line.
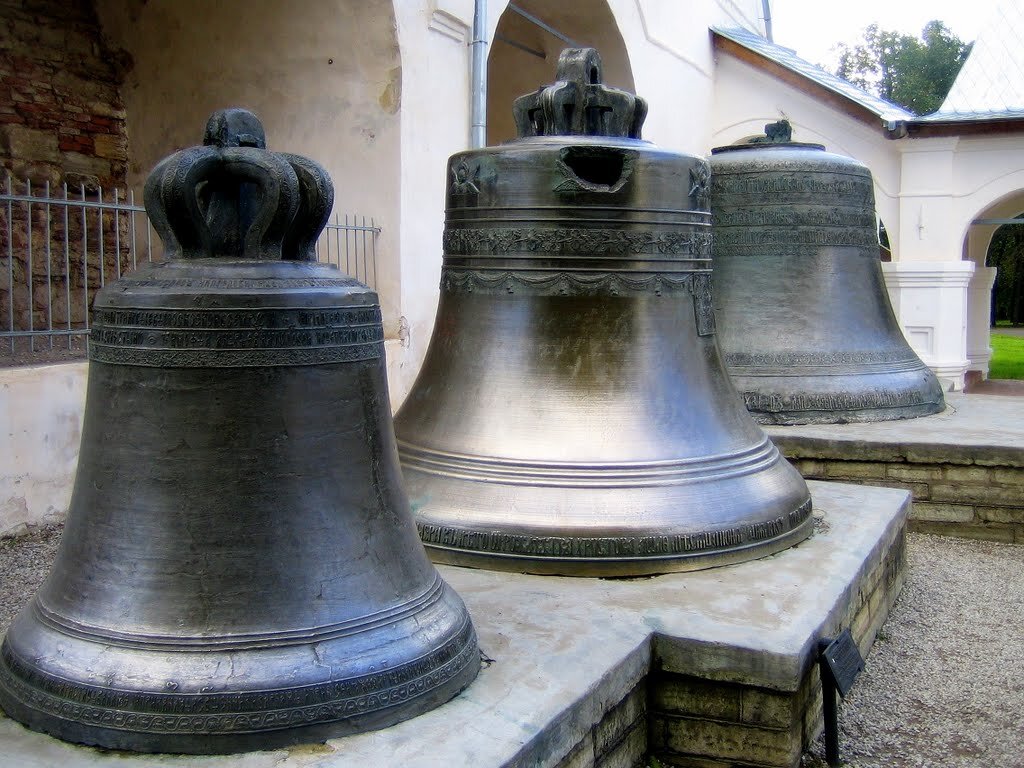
<point>1007,357</point>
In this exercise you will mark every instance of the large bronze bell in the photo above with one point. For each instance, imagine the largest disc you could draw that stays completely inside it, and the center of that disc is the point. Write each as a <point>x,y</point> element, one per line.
<point>240,569</point>
<point>806,327</point>
<point>573,415</point>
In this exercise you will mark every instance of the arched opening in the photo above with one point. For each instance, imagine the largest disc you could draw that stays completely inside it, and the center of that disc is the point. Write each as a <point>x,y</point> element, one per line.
<point>995,319</point>
<point>524,54</point>
<point>1006,255</point>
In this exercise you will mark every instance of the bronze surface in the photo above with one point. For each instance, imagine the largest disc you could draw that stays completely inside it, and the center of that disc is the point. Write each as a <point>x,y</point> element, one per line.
<point>240,568</point>
<point>805,323</point>
<point>573,415</point>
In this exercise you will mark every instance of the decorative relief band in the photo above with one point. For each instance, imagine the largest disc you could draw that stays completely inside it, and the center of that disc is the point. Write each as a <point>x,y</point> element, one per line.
<point>769,182</point>
<point>243,283</point>
<point>232,319</point>
<point>595,547</point>
<point>563,283</point>
<point>703,304</point>
<point>696,284</point>
<point>790,250</point>
<point>727,237</point>
<point>212,714</point>
<point>836,401</point>
<point>576,241</point>
<point>227,358</point>
<point>235,338</point>
<point>793,216</point>
<point>789,360</point>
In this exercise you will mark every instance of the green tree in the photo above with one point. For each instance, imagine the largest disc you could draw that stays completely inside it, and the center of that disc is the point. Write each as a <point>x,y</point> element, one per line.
<point>915,73</point>
<point>1006,254</point>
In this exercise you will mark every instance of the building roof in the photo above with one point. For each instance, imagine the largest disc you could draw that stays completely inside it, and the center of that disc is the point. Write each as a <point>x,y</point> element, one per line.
<point>990,85</point>
<point>787,58</point>
<point>982,99</point>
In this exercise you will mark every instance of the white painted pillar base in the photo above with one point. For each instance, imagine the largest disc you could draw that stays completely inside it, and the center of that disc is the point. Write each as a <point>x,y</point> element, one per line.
<point>931,303</point>
<point>979,318</point>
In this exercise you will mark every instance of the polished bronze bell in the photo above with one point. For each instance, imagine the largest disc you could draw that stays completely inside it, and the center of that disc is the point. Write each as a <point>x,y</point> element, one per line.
<point>804,319</point>
<point>573,415</point>
<point>240,568</point>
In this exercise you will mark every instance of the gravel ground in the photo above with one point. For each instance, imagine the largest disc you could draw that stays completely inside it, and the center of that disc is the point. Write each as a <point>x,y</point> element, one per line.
<point>944,684</point>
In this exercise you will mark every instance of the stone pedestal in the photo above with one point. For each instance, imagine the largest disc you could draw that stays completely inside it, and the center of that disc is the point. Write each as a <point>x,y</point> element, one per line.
<point>711,668</point>
<point>930,301</point>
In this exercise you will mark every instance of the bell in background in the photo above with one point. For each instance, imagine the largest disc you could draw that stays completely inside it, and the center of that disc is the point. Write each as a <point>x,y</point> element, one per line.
<point>573,415</point>
<point>804,319</point>
<point>240,568</point>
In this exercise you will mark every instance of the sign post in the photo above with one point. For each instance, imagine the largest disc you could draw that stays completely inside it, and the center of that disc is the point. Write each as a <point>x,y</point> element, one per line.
<point>839,663</point>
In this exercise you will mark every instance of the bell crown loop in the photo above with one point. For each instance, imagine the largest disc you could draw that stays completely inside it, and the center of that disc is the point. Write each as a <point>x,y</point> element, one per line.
<point>777,134</point>
<point>232,198</point>
<point>578,103</point>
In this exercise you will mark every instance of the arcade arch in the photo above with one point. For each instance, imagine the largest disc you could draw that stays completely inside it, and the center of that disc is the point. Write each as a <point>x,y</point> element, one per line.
<point>524,56</point>
<point>977,247</point>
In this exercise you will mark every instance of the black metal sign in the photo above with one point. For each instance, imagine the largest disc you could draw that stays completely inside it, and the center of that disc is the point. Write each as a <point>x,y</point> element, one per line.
<point>844,662</point>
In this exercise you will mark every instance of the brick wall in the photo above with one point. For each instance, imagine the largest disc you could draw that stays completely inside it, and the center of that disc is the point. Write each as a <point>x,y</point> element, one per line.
<point>61,116</point>
<point>61,121</point>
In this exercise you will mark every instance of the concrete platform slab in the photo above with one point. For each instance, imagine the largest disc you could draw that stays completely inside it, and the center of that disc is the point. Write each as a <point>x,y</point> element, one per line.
<point>964,466</point>
<point>697,667</point>
<point>974,429</point>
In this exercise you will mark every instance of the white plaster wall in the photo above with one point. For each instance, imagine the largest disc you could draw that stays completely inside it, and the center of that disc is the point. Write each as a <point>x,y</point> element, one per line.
<point>979,317</point>
<point>41,411</point>
<point>434,36</point>
<point>670,56</point>
<point>746,99</point>
<point>512,72</point>
<point>325,78</point>
<point>930,300</point>
<point>673,63</point>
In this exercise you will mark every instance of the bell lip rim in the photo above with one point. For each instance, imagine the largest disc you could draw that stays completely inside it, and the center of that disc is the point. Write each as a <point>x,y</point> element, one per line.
<point>804,145</point>
<point>624,566</point>
<point>194,742</point>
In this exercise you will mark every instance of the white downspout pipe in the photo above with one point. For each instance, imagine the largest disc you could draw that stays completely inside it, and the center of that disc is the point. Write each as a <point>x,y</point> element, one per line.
<point>478,77</point>
<point>767,6</point>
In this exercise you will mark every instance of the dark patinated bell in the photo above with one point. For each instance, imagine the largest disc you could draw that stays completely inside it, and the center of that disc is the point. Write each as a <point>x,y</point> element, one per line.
<point>804,319</point>
<point>573,415</point>
<point>240,568</point>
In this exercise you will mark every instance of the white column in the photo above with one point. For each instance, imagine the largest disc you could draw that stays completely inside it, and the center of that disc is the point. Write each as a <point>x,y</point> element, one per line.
<point>979,317</point>
<point>930,301</point>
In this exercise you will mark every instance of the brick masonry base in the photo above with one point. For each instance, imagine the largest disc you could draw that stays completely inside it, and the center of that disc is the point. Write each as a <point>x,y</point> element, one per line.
<point>964,466</point>
<point>977,502</point>
<point>701,723</point>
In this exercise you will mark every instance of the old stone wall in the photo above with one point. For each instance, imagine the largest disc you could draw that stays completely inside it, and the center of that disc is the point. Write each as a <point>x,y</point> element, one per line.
<point>61,122</point>
<point>61,116</point>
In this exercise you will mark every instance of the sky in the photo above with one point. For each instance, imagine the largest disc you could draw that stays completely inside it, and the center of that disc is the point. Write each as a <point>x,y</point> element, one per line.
<point>813,27</point>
